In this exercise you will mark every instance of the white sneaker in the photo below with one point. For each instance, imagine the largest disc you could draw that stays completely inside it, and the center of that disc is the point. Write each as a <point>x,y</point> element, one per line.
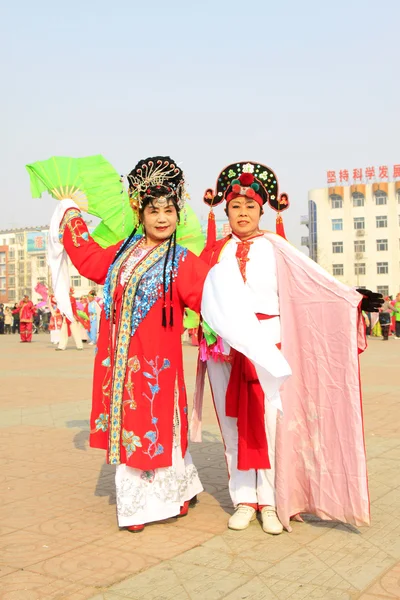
<point>242,517</point>
<point>270,522</point>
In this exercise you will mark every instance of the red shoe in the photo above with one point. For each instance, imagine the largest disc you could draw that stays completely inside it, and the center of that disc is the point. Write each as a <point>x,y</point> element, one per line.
<point>184,509</point>
<point>135,528</point>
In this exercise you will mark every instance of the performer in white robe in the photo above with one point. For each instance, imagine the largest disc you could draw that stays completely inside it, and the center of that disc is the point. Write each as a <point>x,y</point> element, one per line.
<point>296,446</point>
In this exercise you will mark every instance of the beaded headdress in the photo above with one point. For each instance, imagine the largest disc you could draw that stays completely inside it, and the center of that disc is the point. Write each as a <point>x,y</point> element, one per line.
<point>156,177</point>
<point>252,180</point>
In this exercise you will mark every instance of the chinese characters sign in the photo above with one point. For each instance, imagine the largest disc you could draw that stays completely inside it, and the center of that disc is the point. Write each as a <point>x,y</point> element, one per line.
<point>365,175</point>
<point>36,241</point>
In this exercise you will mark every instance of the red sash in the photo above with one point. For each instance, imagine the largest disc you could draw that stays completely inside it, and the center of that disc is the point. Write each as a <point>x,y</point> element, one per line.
<point>245,401</point>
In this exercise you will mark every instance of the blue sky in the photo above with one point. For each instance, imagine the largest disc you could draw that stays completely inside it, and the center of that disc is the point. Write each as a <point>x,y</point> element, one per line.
<point>300,86</point>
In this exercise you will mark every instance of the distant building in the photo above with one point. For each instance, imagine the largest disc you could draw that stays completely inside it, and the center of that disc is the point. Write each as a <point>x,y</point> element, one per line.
<point>223,228</point>
<point>23,264</point>
<point>354,233</point>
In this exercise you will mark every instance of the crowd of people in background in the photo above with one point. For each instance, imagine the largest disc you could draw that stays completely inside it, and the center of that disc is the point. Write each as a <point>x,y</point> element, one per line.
<point>26,319</point>
<point>388,324</point>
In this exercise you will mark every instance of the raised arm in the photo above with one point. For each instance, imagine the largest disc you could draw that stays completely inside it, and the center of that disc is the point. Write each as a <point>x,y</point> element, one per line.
<point>90,259</point>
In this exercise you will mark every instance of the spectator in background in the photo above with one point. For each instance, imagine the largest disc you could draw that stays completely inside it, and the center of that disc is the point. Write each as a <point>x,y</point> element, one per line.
<point>8,320</point>
<point>26,314</point>
<point>36,320</point>
<point>94,316</point>
<point>1,319</point>
<point>15,313</point>
<point>396,308</point>
<point>384,318</point>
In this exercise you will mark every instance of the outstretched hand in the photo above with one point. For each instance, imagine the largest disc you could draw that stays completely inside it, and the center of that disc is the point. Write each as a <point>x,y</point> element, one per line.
<point>372,301</point>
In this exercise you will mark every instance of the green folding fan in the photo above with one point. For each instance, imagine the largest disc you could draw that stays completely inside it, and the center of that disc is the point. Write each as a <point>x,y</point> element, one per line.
<point>96,187</point>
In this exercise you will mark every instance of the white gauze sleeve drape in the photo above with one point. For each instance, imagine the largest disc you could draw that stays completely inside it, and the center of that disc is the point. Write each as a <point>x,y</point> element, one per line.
<point>57,259</point>
<point>226,307</point>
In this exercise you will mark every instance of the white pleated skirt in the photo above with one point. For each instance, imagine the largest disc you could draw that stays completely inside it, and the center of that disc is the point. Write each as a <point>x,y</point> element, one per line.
<point>148,496</point>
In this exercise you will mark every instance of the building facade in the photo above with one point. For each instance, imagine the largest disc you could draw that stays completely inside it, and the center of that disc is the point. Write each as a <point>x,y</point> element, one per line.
<point>23,264</point>
<point>354,233</point>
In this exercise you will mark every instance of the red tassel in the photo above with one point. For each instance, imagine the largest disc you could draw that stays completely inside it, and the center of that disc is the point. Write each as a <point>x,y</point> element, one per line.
<point>280,230</point>
<point>211,230</point>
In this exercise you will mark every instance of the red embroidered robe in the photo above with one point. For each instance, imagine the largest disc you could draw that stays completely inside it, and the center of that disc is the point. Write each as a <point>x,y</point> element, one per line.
<point>139,403</point>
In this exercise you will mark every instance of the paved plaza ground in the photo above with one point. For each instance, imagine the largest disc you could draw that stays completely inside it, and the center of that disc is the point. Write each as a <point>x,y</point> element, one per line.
<point>58,532</point>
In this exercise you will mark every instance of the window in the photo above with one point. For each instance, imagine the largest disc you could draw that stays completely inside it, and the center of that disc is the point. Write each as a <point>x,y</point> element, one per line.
<point>359,223</point>
<point>336,201</point>
<point>11,254</point>
<point>41,260</point>
<point>381,245</point>
<point>382,268</point>
<point>383,289</point>
<point>21,268</point>
<point>76,281</point>
<point>337,270</point>
<point>11,242</point>
<point>381,221</point>
<point>19,238</point>
<point>3,283</point>
<point>358,199</point>
<point>29,268</point>
<point>337,247</point>
<point>2,258</point>
<point>11,269</point>
<point>359,246</point>
<point>11,294</point>
<point>11,281</point>
<point>337,224</point>
<point>359,268</point>
<point>380,197</point>
<point>20,255</point>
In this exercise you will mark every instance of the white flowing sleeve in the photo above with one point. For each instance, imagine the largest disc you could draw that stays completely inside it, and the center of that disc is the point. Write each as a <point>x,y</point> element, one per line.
<point>57,259</point>
<point>227,308</point>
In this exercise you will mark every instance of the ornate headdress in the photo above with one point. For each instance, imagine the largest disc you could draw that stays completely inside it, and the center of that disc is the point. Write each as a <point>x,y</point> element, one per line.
<point>252,180</point>
<point>156,177</point>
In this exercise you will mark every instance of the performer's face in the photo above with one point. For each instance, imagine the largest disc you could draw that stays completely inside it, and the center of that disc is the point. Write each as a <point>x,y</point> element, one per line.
<point>244,217</point>
<point>159,222</point>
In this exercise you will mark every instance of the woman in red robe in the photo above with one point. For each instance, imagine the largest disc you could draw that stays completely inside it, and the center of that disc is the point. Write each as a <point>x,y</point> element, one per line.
<point>139,410</point>
<point>26,312</point>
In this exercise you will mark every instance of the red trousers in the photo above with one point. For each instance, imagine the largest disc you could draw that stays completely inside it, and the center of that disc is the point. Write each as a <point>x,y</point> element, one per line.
<point>25,330</point>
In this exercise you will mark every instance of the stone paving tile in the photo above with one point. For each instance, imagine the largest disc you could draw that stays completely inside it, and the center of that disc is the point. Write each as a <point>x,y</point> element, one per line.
<point>4,570</point>
<point>306,568</point>
<point>150,584</point>
<point>388,585</point>
<point>206,557</point>
<point>205,518</point>
<point>206,582</point>
<point>256,589</point>
<point>353,558</point>
<point>160,541</point>
<point>21,549</point>
<point>77,524</point>
<point>5,530</point>
<point>23,585</point>
<point>93,565</point>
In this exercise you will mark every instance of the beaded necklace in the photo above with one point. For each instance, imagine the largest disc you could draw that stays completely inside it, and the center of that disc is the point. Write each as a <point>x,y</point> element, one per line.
<point>138,252</point>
